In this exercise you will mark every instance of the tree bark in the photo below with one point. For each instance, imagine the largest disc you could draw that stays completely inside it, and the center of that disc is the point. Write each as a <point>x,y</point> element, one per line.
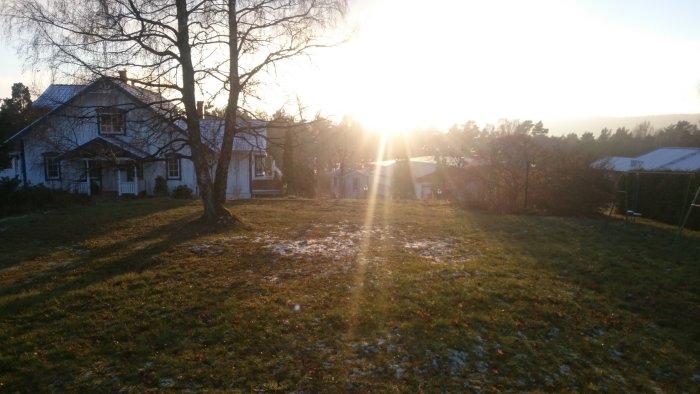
<point>214,210</point>
<point>230,127</point>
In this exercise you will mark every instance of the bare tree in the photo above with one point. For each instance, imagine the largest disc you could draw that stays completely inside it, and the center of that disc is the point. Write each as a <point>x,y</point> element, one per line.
<point>178,48</point>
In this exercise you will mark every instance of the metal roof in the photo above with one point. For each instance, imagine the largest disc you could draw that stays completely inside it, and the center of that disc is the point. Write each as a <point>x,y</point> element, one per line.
<point>613,163</point>
<point>669,159</point>
<point>662,159</point>
<point>152,99</point>
<point>56,95</point>
<point>250,137</point>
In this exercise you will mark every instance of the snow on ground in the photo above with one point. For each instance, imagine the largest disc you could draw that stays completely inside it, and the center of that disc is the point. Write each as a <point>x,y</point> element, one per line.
<point>438,251</point>
<point>342,243</point>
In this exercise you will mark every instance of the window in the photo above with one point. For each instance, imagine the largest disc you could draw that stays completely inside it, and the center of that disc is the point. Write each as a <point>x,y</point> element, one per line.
<point>111,121</point>
<point>259,165</point>
<point>52,167</point>
<point>172,167</point>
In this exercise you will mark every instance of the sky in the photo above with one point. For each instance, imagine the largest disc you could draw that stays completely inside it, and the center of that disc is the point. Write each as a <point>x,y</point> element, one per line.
<point>433,64</point>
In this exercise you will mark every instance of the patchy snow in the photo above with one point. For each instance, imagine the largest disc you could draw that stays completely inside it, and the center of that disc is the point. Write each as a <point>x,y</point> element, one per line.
<point>340,243</point>
<point>438,251</point>
<point>335,248</point>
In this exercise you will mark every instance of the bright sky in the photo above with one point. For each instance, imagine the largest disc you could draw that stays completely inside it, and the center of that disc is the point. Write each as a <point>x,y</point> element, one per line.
<point>420,64</point>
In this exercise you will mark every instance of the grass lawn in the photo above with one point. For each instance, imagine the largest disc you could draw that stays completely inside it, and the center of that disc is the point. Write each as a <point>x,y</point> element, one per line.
<point>331,296</point>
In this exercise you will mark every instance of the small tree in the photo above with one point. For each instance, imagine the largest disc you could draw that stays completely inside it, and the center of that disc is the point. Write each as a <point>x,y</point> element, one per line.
<point>15,113</point>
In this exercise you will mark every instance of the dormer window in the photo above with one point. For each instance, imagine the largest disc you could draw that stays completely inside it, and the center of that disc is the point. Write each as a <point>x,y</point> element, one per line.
<point>111,121</point>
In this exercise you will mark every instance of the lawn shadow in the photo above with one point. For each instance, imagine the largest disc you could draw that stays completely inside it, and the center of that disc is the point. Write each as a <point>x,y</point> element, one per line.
<point>134,253</point>
<point>39,234</point>
<point>634,266</point>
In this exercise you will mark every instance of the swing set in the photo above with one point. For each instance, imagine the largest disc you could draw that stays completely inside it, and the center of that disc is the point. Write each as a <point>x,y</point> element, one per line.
<point>628,193</point>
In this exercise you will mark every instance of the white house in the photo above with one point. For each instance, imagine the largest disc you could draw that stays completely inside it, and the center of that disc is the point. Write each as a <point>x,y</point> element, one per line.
<point>380,176</point>
<point>349,183</point>
<point>112,137</point>
<point>422,169</point>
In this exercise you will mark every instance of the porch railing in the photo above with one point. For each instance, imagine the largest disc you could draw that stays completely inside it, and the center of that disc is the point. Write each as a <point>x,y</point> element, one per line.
<point>81,187</point>
<point>127,188</point>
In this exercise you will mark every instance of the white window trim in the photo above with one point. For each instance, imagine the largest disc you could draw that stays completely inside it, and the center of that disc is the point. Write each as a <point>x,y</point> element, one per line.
<point>111,114</point>
<point>168,161</point>
<point>52,160</point>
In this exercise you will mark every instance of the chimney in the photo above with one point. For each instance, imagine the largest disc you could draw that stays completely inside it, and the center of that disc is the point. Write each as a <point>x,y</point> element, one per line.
<point>200,109</point>
<point>122,75</point>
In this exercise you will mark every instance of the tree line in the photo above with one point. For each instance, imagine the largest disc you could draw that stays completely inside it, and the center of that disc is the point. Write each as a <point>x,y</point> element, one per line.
<point>513,166</point>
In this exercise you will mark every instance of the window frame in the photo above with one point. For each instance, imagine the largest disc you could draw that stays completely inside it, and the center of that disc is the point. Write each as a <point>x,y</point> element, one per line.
<point>111,113</point>
<point>259,166</point>
<point>52,160</point>
<point>177,161</point>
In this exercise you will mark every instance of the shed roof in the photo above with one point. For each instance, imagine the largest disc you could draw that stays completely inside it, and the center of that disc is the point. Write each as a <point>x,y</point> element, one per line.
<point>670,159</point>
<point>662,159</point>
<point>613,163</point>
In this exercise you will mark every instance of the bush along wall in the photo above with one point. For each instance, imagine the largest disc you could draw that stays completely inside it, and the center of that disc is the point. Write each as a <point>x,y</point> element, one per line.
<point>15,198</point>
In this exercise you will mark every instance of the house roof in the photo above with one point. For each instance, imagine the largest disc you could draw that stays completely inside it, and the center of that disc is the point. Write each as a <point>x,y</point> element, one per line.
<point>56,96</point>
<point>250,136</point>
<point>152,99</point>
<point>662,159</point>
<point>347,172</point>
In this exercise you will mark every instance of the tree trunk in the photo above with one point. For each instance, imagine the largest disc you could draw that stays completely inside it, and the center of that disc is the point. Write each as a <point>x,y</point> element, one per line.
<point>214,210</point>
<point>288,160</point>
<point>230,127</point>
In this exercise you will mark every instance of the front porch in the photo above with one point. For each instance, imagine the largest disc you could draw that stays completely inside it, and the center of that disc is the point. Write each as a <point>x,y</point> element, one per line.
<point>105,165</point>
<point>123,178</point>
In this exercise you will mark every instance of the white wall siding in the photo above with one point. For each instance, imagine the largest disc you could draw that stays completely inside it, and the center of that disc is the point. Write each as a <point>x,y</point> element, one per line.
<point>146,133</point>
<point>238,186</point>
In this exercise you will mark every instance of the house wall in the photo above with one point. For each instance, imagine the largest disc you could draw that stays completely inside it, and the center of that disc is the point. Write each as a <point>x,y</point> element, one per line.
<point>355,184</point>
<point>187,177</point>
<point>424,190</point>
<point>77,123</point>
<point>239,171</point>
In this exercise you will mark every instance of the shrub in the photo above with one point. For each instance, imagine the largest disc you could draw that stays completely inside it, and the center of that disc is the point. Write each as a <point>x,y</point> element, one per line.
<point>15,198</point>
<point>183,192</point>
<point>521,173</point>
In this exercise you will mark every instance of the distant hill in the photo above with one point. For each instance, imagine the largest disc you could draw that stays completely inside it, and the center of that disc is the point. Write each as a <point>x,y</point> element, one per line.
<point>595,124</point>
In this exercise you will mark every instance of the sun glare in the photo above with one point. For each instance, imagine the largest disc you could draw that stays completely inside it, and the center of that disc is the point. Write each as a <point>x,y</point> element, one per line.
<point>411,66</point>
